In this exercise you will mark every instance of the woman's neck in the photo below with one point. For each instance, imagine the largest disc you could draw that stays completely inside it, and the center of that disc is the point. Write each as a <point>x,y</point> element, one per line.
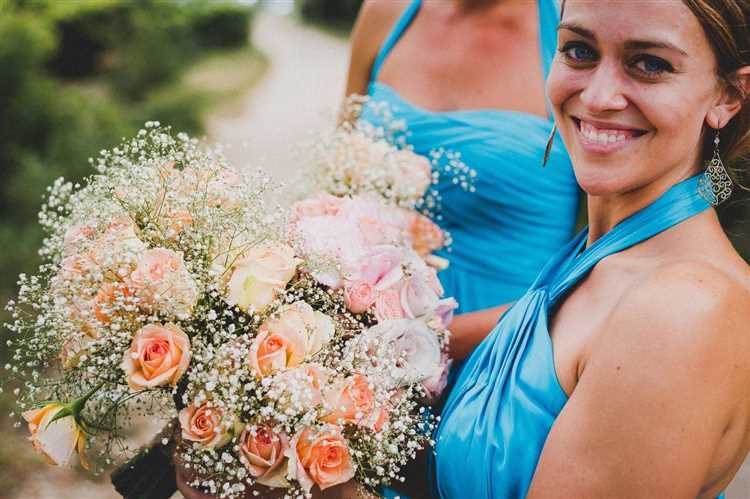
<point>605,212</point>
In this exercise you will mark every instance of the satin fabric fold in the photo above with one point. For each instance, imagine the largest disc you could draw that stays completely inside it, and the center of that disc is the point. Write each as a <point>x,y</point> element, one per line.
<point>507,396</point>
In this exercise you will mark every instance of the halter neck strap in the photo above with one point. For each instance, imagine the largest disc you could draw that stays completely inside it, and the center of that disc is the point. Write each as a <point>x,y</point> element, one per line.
<point>680,202</point>
<point>393,37</point>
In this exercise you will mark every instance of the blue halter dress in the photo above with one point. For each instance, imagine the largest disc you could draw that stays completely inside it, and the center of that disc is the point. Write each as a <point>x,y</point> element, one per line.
<point>507,396</point>
<point>520,214</point>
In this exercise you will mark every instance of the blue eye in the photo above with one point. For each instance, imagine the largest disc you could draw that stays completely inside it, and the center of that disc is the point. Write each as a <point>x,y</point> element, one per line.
<point>578,52</point>
<point>651,65</point>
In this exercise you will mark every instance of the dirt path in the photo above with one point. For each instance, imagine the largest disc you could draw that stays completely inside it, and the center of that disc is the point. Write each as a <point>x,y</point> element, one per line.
<point>298,95</point>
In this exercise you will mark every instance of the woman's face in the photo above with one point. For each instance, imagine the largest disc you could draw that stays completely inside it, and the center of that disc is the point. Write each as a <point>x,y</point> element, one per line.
<point>632,85</point>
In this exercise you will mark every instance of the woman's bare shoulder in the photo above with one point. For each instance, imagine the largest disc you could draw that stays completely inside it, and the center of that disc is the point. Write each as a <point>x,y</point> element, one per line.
<point>375,20</point>
<point>693,310</point>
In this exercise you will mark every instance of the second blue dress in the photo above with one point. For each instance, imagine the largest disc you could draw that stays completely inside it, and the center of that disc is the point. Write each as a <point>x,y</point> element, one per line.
<point>520,214</point>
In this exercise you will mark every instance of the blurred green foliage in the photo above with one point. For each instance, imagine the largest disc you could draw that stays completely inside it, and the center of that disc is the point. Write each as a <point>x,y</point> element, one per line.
<point>338,14</point>
<point>75,77</point>
<point>79,75</point>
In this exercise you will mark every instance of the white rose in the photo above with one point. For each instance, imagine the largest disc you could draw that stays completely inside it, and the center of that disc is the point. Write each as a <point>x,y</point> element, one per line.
<point>408,344</point>
<point>57,441</point>
<point>418,298</point>
<point>260,275</point>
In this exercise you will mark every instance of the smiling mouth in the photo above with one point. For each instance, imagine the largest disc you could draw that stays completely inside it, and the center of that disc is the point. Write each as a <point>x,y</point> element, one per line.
<point>606,138</point>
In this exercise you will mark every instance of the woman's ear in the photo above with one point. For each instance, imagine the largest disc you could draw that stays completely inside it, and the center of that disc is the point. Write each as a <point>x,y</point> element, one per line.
<point>734,95</point>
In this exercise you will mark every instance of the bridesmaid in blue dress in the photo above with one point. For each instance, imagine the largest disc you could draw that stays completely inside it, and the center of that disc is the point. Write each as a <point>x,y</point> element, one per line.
<point>623,372</point>
<point>467,76</point>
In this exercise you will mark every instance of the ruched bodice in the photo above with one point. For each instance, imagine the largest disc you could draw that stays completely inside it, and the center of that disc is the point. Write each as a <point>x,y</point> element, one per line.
<point>507,396</point>
<point>520,213</point>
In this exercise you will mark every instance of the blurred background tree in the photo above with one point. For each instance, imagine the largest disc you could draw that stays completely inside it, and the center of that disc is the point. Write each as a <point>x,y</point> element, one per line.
<point>336,14</point>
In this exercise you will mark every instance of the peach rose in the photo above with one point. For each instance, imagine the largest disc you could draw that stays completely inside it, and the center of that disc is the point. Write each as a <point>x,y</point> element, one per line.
<point>262,273</point>
<point>57,441</point>
<point>262,451</point>
<point>302,387</point>
<point>359,296</point>
<point>162,282</point>
<point>111,301</point>
<point>159,355</point>
<point>177,220</point>
<point>425,235</point>
<point>320,457</point>
<point>352,401</point>
<point>322,205</point>
<point>316,327</point>
<point>207,425</point>
<point>388,305</point>
<point>120,237</point>
<point>75,237</point>
<point>276,347</point>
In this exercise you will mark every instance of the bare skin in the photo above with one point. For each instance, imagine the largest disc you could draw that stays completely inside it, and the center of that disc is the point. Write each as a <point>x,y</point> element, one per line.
<point>652,345</point>
<point>476,40</point>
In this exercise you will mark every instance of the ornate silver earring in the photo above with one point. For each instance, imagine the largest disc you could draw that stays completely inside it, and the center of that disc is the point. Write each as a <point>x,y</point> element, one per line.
<point>550,141</point>
<point>716,185</point>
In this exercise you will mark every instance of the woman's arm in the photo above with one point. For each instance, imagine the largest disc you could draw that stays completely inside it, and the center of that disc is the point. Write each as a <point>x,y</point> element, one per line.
<point>374,21</point>
<point>658,390</point>
<point>468,330</point>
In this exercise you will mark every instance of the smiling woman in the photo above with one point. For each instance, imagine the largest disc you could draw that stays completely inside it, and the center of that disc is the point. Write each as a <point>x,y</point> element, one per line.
<point>623,371</point>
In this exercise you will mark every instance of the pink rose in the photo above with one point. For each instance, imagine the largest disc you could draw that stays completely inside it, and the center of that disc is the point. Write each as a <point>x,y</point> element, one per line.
<point>418,298</point>
<point>262,452</point>
<point>434,281</point>
<point>359,296</point>
<point>162,282</point>
<point>351,401</point>
<point>444,311</point>
<point>278,346</point>
<point>437,383</point>
<point>320,457</point>
<point>388,306</point>
<point>381,267</point>
<point>159,355</point>
<point>206,424</point>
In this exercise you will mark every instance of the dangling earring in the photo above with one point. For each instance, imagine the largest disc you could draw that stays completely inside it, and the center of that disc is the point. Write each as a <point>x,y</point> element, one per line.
<point>548,149</point>
<point>716,185</point>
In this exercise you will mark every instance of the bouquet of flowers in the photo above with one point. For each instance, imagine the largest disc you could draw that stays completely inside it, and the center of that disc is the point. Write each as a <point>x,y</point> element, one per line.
<point>295,349</point>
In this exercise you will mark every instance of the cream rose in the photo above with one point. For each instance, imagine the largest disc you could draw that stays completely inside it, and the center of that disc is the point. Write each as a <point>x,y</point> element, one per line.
<point>162,282</point>
<point>56,440</point>
<point>159,355</point>
<point>262,451</point>
<point>206,424</point>
<point>260,275</point>
<point>320,457</point>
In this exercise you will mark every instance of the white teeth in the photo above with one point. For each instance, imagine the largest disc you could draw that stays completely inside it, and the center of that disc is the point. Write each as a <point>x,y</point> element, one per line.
<point>593,134</point>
